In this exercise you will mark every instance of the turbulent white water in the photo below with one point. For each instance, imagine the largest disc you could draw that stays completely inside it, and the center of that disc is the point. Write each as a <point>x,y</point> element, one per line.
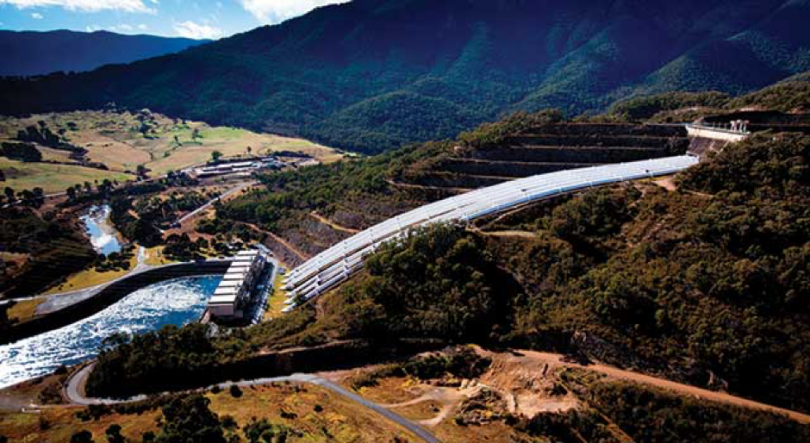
<point>174,302</point>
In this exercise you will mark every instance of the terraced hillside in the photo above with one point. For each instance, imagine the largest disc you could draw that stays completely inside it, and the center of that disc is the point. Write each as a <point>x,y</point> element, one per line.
<point>307,212</point>
<point>550,148</point>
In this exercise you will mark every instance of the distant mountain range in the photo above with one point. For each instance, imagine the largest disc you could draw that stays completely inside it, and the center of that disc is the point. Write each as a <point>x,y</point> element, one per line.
<point>35,53</point>
<point>371,75</point>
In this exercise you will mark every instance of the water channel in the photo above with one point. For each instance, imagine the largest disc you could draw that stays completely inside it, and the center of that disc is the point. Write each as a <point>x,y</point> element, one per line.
<point>102,235</point>
<point>174,302</point>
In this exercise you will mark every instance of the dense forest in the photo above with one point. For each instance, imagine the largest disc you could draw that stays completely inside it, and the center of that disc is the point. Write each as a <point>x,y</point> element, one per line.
<point>791,95</point>
<point>371,76</point>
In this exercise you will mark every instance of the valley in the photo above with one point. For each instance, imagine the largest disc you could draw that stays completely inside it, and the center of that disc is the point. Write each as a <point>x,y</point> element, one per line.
<point>116,144</point>
<point>408,221</point>
<point>555,257</point>
<point>339,77</point>
<point>562,264</point>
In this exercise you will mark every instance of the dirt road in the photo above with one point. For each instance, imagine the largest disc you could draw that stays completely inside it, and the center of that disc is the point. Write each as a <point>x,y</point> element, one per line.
<point>539,359</point>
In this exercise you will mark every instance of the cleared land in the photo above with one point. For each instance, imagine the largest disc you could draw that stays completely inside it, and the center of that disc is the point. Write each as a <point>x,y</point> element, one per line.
<point>123,141</point>
<point>52,178</point>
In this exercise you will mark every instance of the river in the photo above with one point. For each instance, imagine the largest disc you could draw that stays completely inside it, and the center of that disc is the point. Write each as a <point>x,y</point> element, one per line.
<point>102,235</point>
<point>174,302</point>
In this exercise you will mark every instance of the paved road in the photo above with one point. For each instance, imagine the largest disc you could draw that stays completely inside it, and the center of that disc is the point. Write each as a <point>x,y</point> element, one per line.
<point>74,394</point>
<point>202,208</point>
<point>527,358</point>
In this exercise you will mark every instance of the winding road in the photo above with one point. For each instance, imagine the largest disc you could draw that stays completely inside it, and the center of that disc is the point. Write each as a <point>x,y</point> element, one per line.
<point>73,391</point>
<point>528,359</point>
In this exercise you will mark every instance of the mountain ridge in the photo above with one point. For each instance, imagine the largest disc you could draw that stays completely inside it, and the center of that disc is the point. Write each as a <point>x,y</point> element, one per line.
<point>346,74</point>
<point>65,50</point>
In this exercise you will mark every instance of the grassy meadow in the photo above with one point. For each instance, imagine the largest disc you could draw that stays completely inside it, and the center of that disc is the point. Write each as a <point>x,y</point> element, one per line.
<point>52,178</point>
<point>123,141</point>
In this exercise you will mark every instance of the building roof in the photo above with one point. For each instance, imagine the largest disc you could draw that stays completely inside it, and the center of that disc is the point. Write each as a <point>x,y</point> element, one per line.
<point>222,300</point>
<point>229,284</point>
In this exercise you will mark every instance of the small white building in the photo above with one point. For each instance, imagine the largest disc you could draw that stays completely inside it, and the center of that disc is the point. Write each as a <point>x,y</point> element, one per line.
<point>243,167</point>
<point>236,287</point>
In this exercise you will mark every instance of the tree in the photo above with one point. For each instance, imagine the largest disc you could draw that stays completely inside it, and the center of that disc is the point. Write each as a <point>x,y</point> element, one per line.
<point>29,199</point>
<point>189,419</point>
<point>106,186</point>
<point>195,134</point>
<point>83,436</point>
<point>113,434</point>
<point>215,156</point>
<point>141,171</point>
<point>88,187</point>
<point>24,152</point>
<point>39,197</point>
<point>9,194</point>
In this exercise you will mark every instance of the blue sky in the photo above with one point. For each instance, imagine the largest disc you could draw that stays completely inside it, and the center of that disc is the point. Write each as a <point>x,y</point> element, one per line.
<point>186,18</point>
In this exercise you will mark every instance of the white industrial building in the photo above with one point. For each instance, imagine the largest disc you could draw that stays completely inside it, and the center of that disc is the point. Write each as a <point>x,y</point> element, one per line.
<point>235,290</point>
<point>245,167</point>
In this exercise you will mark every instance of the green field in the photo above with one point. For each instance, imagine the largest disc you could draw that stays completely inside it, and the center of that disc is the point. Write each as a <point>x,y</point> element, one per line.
<point>52,178</point>
<point>123,140</point>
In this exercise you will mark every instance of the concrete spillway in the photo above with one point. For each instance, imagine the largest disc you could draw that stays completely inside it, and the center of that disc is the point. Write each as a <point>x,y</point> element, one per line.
<point>338,263</point>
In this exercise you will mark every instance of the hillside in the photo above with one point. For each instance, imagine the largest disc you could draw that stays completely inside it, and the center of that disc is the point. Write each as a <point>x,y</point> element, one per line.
<point>122,141</point>
<point>702,285</point>
<point>36,53</point>
<point>372,75</point>
<point>314,209</point>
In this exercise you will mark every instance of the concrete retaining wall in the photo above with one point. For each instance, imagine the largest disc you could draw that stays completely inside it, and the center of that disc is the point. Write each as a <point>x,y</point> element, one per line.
<point>110,295</point>
<point>715,134</point>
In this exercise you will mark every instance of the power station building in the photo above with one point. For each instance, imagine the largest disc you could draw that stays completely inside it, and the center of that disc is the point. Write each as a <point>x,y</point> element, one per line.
<point>236,288</point>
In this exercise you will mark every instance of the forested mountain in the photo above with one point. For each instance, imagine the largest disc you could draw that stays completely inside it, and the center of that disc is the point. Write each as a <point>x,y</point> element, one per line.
<point>35,53</point>
<point>370,75</point>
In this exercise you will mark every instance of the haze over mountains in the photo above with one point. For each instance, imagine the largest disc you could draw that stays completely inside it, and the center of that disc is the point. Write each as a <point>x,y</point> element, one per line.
<point>34,53</point>
<point>371,75</point>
